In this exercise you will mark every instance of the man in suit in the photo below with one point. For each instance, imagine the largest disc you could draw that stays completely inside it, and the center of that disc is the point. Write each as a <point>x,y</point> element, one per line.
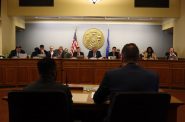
<point>51,53</point>
<point>171,54</point>
<point>60,52</point>
<point>16,52</point>
<point>114,53</point>
<point>35,52</point>
<point>47,78</point>
<point>42,52</point>
<point>78,53</point>
<point>94,53</point>
<point>47,81</point>
<point>128,78</point>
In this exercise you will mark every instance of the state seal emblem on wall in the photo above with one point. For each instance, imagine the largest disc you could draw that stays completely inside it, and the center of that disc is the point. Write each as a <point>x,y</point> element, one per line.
<point>93,38</point>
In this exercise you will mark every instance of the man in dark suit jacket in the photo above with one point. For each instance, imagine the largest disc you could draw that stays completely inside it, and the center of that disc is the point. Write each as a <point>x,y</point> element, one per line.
<point>78,53</point>
<point>129,78</point>
<point>94,53</point>
<point>35,52</point>
<point>16,52</point>
<point>171,54</point>
<point>42,51</point>
<point>47,81</point>
<point>114,53</point>
<point>60,52</point>
<point>51,53</point>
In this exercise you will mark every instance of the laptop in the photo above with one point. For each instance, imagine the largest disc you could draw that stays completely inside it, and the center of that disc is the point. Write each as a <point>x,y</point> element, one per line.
<point>21,55</point>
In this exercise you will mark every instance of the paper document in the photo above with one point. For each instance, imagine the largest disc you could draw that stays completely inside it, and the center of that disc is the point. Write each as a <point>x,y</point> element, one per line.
<point>92,94</point>
<point>79,97</point>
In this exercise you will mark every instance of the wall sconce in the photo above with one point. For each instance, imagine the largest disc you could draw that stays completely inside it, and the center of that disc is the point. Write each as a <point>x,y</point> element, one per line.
<point>94,1</point>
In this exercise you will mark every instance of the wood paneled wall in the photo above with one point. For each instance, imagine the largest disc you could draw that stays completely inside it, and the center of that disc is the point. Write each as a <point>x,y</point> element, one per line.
<point>23,71</point>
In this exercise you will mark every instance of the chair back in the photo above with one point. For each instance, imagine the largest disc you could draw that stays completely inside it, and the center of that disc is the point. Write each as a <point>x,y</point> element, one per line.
<point>38,107</point>
<point>139,107</point>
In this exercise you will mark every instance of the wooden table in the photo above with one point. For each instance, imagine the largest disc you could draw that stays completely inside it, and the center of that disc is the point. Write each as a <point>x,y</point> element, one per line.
<point>86,104</point>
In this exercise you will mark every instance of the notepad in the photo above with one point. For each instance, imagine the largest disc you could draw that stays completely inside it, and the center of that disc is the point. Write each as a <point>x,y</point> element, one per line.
<point>79,97</point>
<point>92,94</point>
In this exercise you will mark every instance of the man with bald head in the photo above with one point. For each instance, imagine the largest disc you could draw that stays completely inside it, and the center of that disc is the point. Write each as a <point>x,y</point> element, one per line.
<point>128,78</point>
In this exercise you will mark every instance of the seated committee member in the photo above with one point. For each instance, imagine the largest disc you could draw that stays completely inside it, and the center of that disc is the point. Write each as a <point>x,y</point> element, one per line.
<point>60,52</point>
<point>94,53</point>
<point>42,52</point>
<point>78,53</point>
<point>129,78</point>
<point>47,81</point>
<point>51,53</point>
<point>119,54</point>
<point>149,54</point>
<point>114,53</point>
<point>35,52</point>
<point>15,53</point>
<point>67,54</point>
<point>171,54</point>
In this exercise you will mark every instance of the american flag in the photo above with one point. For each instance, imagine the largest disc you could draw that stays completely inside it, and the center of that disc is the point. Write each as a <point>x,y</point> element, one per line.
<point>108,45</point>
<point>74,43</point>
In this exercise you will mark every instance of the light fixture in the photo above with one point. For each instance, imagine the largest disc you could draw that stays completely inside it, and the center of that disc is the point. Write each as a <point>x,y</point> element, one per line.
<point>94,1</point>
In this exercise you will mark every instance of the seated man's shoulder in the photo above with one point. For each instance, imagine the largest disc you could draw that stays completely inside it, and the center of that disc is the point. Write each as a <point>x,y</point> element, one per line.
<point>110,52</point>
<point>59,85</point>
<point>13,51</point>
<point>150,73</point>
<point>114,71</point>
<point>22,51</point>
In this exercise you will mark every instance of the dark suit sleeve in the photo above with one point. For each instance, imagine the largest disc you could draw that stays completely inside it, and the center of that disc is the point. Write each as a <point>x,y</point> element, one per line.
<point>176,53</point>
<point>117,55</point>
<point>22,51</point>
<point>167,54</point>
<point>34,54</point>
<point>69,100</point>
<point>103,91</point>
<point>81,53</point>
<point>12,54</point>
<point>89,54</point>
<point>63,54</point>
<point>48,55</point>
<point>110,53</point>
<point>98,54</point>
<point>54,54</point>
<point>69,95</point>
<point>75,54</point>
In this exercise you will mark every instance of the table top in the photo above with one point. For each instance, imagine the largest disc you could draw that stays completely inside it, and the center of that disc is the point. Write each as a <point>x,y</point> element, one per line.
<point>83,94</point>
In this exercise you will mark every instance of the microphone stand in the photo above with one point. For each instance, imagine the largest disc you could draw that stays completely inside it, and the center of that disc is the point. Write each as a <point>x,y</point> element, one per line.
<point>66,79</point>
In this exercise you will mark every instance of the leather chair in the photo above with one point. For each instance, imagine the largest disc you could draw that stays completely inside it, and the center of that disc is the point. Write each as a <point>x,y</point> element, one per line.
<point>38,107</point>
<point>139,107</point>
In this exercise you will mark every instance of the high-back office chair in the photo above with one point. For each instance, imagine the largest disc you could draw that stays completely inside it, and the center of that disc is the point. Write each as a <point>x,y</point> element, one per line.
<point>139,107</point>
<point>38,107</point>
